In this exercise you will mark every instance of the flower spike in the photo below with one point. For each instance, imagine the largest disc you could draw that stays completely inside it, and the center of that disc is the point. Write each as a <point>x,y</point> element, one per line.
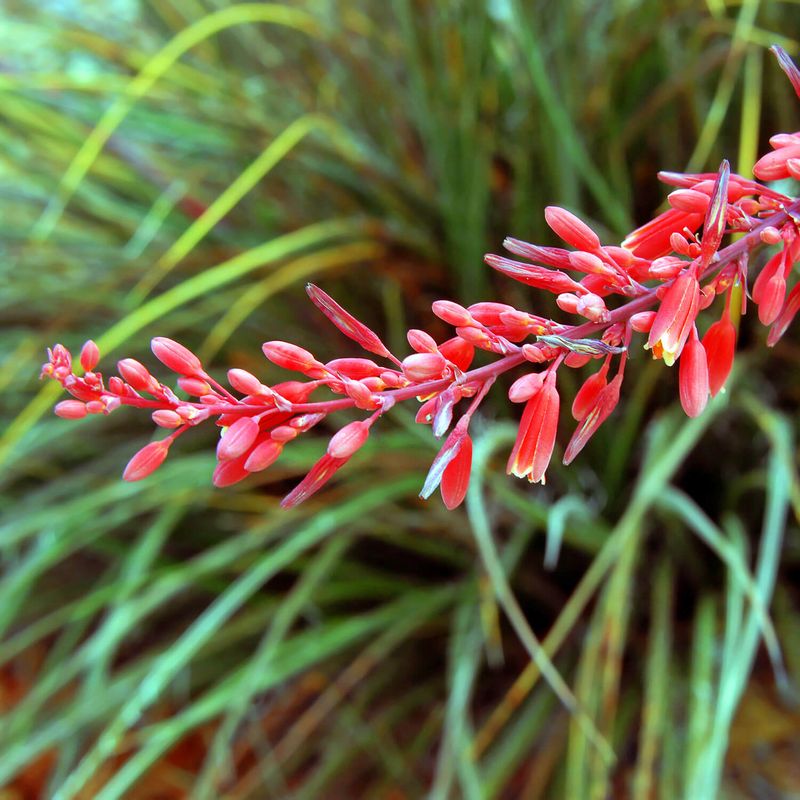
<point>657,284</point>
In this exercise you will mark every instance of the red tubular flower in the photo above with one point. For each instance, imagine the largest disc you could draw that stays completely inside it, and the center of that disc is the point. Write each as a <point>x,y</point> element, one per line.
<point>317,477</point>
<point>587,395</point>
<point>346,322</point>
<point>693,376</point>
<point>675,317</point>
<point>787,314</point>
<point>593,417</point>
<point>533,448</point>
<point>455,478</point>
<point>551,280</point>
<point>448,451</point>
<point>719,344</point>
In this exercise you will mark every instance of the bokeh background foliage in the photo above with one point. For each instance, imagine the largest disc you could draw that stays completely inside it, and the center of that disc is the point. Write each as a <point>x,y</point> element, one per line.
<point>182,168</point>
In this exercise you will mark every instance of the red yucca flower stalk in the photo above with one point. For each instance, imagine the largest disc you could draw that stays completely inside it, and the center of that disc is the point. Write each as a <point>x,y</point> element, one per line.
<point>658,282</point>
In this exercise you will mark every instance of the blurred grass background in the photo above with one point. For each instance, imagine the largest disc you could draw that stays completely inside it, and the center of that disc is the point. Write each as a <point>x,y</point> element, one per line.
<point>182,168</point>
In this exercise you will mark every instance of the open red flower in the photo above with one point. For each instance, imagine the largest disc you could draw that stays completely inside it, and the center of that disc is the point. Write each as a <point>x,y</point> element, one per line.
<point>675,317</point>
<point>533,448</point>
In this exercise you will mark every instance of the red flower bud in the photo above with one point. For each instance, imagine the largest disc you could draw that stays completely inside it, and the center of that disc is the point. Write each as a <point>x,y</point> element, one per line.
<point>284,433</point>
<point>587,262</point>
<point>227,473</point>
<point>244,381</point>
<point>693,376</point>
<point>475,337</point>
<point>317,477</point>
<point>772,166</point>
<point>577,360</point>
<point>592,307</point>
<point>587,395</point>
<point>770,235</point>
<point>263,455</point>
<point>238,439</point>
<point>452,313</point>
<point>666,268</point>
<point>489,313</point>
<point>423,367</point>
<point>680,243</point>
<point>790,309</point>
<point>716,215</point>
<point>355,368</point>
<point>176,357</point>
<point>290,356</point>
<point>71,409</point>
<point>552,280</point>
<point>360,394</point>
<point>571,229</point>
<point>147,460</point>
<point>689,200</point>
<point>525,387</point>
<point>568,302</point>
<point>350,438</point>
<point>421,342</point>
<point>772,295</point>
<point>719,343</point>
<point>90,355</point>
<point>194,386</point>
<point>165,418</point>
<point>136,375</point>
<point>643,321</point>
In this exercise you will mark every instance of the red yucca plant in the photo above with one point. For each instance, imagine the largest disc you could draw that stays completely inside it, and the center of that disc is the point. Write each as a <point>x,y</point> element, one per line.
<point>665,273</point>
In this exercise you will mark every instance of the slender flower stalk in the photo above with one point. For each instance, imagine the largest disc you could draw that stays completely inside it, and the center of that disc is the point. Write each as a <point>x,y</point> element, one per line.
<point>658,283</point>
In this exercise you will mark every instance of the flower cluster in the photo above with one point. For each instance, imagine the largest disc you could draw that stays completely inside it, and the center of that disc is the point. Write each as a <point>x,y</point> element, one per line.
<point>656,284</point>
